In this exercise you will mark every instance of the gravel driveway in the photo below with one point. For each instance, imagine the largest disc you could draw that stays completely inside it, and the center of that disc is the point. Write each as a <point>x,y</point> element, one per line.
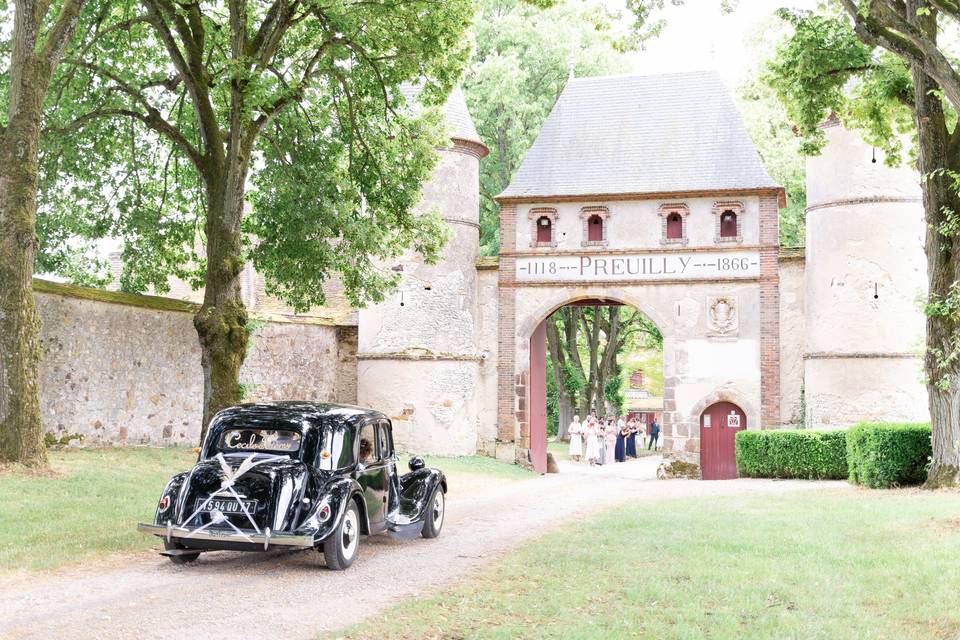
<point>289,594</point>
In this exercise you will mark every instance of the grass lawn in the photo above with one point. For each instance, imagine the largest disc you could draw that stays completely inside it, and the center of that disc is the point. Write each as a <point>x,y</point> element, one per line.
<point>92,502</point>
<point>471,474</point>
<point>827,564</point>
<point>92,505</point>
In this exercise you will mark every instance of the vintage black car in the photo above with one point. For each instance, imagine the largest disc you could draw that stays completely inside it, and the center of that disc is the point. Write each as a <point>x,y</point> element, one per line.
<point>296,474</point>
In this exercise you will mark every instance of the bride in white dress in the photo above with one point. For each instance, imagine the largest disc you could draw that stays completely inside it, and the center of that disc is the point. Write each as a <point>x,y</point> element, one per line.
<point>576,440</point>
<point>593,445</point>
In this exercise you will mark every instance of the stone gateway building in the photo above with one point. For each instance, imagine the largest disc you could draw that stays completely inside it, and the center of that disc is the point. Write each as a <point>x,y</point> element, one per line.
<point>644,191</point>
<point>647,191</point>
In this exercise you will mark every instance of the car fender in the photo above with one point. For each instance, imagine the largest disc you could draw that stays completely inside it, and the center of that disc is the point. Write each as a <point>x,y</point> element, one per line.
<point>338,493</point>
<point>416,488</point>
<point>174,492</point>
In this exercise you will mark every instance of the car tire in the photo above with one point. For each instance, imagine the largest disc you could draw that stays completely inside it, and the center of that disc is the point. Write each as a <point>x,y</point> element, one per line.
<point>182,558</point>
<point>340,548</point>
<point>436,512</point>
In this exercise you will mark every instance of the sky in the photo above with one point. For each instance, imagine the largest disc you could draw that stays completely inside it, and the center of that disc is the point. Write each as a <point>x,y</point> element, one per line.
<point>698,36</point>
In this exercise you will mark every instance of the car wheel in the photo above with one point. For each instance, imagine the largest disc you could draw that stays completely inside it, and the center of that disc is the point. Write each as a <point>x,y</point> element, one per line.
<point>435,512</point>
<point>179,558</point>
<point>340,547</point>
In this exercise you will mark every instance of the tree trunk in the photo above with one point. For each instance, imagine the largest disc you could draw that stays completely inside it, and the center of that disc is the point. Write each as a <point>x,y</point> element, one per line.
<point>938,151</point>
<point>558,362</point>
<point>221,322</point>
<point>21,428</point>
<point>571,320</point>
<point>610,348</point>
<point>565,411</point>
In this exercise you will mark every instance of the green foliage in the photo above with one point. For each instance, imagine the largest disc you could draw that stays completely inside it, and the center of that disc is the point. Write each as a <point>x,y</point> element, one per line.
<point>519,68</point>
<point>787,453</point>
<point>311,105</point>
<point>51,440</point>
<point>553,407</point>
<point>614,389</point>
<point>882,455</point>
<point>822,68</point>
<point>779,149</point>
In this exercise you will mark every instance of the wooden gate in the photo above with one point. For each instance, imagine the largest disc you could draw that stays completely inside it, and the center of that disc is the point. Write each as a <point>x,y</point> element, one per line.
<point>537,407</point>
<point>719,424</point>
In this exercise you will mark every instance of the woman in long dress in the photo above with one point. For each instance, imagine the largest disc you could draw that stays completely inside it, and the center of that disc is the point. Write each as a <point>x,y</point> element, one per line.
<point>601,447</point>
<point>631,439</point>
<point>620,446</point>
<point>576,440</point>
<point>610,442</point>
<point>590,436</point>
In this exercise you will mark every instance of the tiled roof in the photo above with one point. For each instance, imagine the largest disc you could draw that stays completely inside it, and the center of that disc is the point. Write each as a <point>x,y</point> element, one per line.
<point>669,133</point>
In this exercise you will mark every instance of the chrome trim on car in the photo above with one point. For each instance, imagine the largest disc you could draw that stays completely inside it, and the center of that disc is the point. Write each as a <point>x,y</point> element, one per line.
<point>270,539</point>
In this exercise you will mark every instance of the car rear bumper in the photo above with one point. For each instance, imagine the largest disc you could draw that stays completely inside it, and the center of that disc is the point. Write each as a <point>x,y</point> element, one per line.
<point>259,541</point>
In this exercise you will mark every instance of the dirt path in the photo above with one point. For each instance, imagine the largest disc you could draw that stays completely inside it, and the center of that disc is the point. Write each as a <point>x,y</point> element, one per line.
<point>289,594</point>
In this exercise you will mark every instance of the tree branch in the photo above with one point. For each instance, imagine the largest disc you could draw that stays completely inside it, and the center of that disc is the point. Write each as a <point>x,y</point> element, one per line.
<point>61,33</point>
<point>151,119</point>
<point>884,26</point>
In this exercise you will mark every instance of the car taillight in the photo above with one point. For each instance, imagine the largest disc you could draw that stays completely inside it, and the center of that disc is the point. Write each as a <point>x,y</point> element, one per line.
<point>164,503</point>
<point>323,513</point>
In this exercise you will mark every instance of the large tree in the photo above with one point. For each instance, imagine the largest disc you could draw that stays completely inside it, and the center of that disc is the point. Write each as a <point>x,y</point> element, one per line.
<point>181,107</point>
<point>881,67</point>
<point>584,347</point>
<point>40,33</point>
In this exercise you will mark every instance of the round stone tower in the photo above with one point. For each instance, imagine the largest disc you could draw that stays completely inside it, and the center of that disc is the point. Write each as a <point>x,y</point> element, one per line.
<point>418,359</point>
<point>865,274</point>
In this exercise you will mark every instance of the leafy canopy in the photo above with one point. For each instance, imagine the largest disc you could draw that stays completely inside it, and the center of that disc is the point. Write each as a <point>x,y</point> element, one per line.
<point>824,69</point>
<point>162,102</point>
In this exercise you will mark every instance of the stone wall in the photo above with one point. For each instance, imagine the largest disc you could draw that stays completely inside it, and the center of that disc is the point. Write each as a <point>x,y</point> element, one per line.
<point>125,369</point>
<point>791,334</point>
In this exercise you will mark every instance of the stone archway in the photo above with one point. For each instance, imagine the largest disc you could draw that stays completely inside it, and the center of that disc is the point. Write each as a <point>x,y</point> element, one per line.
<point>531,384</point>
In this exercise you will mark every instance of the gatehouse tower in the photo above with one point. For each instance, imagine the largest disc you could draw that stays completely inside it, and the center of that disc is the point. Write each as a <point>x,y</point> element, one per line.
<point>865,276</point>
<point>418,358</point>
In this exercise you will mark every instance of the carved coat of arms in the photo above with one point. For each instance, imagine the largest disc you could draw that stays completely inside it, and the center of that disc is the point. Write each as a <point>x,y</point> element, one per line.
<point>722,316</point>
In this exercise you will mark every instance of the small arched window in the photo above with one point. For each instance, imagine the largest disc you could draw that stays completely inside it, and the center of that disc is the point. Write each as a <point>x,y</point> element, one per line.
<point>674,226</point>
<point>544,229</point>
<point>728,224</point>
<point>595,229</point>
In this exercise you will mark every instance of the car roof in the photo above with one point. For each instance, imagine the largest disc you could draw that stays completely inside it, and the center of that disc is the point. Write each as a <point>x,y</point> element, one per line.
<point>296,411</point>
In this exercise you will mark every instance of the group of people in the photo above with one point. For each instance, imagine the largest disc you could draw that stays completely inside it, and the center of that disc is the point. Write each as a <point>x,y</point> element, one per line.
<point>610,439</point>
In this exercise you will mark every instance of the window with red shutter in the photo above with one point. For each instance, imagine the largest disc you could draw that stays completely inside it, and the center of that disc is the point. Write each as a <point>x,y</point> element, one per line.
<point>674,226</point>
<point>728,224</point>
<point>544,229</point>
<point>595,229</point>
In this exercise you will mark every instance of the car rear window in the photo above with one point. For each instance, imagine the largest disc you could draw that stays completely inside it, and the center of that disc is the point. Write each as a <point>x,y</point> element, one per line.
<point>277,440</point>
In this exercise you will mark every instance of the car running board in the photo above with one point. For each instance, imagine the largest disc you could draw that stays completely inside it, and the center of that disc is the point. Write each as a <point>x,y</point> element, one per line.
<point>404,531</point>
<point>179,552</point>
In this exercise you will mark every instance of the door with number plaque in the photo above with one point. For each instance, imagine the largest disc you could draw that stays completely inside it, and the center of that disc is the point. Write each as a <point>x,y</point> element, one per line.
<point>719,424</point>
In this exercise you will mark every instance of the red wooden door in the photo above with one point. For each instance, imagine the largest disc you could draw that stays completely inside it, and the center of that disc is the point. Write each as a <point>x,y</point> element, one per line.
<point>719,424</point>
<point>537,406</point>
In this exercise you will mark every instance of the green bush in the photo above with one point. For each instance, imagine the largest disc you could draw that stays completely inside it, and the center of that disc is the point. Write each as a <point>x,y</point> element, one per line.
<point>888,455</point>
<point>791,453</point>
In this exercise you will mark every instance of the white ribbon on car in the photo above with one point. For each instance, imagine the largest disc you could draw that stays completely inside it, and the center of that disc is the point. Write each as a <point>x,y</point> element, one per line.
<point>230,477</point>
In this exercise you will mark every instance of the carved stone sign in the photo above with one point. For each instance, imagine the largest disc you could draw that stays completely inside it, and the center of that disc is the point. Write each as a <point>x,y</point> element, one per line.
<point>593,267</point>
<point>723,316</point>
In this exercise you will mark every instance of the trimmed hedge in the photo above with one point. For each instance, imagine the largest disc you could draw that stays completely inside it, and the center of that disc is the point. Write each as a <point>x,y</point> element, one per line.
<point>792,453</point>
<point>888,455</point>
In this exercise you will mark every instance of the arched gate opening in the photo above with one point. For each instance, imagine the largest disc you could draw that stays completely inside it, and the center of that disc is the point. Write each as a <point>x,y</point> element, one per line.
<point>609,333</point>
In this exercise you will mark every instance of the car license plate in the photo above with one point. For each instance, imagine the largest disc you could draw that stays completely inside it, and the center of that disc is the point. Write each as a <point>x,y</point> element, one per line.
<point>227,506</point>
